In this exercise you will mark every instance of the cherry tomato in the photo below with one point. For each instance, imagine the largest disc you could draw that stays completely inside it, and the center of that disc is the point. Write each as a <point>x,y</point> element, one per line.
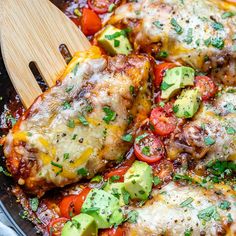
<point>55,226</point>
<point>79,200</point>
<point>113,232</point>
<point>67,206</point>
<point>120,171</point>
<point>159,71</point>
<point>163,121</point>
<point>100,6</point>
<point>206,86</point>
<point>90,22</point>
<point>148,147</point>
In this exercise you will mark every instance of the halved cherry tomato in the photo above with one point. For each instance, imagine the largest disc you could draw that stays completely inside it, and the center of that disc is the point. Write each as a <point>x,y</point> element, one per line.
<point>159,71</point>
<point>55,226</point>
<point>67,206</point>
<point>79,200</point>
<point>90,22</point>
<point>100,6</point>
<point>120,171</point>
<point>113,232</point>
<point>163,121</point>
<point>206,86</point>
<point>148,147</point>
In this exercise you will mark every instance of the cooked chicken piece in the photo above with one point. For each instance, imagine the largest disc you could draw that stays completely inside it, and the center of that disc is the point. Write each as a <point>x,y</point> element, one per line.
<point>211,135</point>
<point>177,210</point>
<point>200,33</point>
<point>75,128</point>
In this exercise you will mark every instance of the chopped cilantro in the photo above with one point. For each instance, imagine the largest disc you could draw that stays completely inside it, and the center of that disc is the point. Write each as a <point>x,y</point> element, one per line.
<point>127,137</point>
<point>189,37</point>
<point>163,54</point>
<point>176,108</point>
<point>75,69</point>
<point>208,213</point>
<point>227,15</point>
<point>74,137</point>
<point>182,177</point>
<point>230,130</point>
<point>68,89</point>
<point>126,196</point>
<point>146,151</point>
<point>188,232</point>
<point>229,218</point>
<point>118,34</point>
<point>156,180</point>
<point>217,26</point>
<point>34,203</point>
<point>5,172</point>
<point>218,43</point>
<point>116,43</point>
<point>71,124</point>
<point>83,120</point>
<point>140,137</point>
<point>114,178</point>
<point>110,114</point>
<point>158,24</point>
<point>82,171</point>
<point>209,141</point>
<point>178,29</point>
<point>165,86</point>
<point>207,42</point>
<point>131,90</point>
<point>132,216</point>
<point>96,179</point>
<point>66,156</point>
<point>66,105</point>
<point>224,205</point>
<point>187,202</point>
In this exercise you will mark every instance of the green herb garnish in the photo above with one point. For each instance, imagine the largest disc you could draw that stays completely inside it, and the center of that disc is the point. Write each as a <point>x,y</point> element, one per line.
<point>110,114</point>
<point>82,171</point>
<point>127,137</point>
<point>178,29</point>
<point>83,120</point>
<point>34,203</point>
<point>187,202</point>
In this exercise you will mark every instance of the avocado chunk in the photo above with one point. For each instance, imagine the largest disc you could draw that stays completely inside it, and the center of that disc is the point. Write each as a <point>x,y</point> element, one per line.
<point>103,207</point>
<point>80,225</point>
<point>175,79</point>
<point>187,103</point>
<point>138,180</point>
<point>117,190</point>
<point>114,41</point>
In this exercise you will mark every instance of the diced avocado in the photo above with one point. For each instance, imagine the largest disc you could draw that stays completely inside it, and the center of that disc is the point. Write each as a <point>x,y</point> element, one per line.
<point>175,79</point>
<point>117,190</point>
<point>80,225</point>
<point>187,103</point>
<point>138,180</point>
<point>114,41</point>
<point>103,207</point>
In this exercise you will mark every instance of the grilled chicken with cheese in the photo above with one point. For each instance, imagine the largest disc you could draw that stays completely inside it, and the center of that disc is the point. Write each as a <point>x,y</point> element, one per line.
<point>75,128</point>
<point>200,33</point>
<point>211,135</point>
<point>186,210</point>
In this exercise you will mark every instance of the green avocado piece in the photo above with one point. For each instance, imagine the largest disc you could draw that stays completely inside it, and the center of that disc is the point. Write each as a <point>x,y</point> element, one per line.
<point>114,41</point>
<point>175,79</point>
<point>187,104</point>
<point>80,225</point>
<point>117,190</point>
<point>138,180</point>
<point>103,207</point>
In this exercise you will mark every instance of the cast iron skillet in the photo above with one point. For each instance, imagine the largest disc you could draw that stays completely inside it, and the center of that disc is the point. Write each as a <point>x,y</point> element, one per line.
<point>7,200</point>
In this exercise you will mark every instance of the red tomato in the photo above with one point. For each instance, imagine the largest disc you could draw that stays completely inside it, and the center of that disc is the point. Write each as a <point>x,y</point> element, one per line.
<point>120,171</point>
<point>163,121</point>
<point>79,200</point>
<point>90,22</point>
<point>100,6</point>
<point>67,206</point>
<point>55,226</point>
<point>206,86</point>
<point>149,148</point>
<point>113,232</point>
<point>159,71</point>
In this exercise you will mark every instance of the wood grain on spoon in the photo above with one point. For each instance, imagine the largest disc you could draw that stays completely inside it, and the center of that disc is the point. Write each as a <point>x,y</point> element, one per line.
<point>32,31</point>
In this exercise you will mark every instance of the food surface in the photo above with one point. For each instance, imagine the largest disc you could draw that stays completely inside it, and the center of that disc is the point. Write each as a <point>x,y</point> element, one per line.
<point>138,135</point>
<point>76,127</point>
<point>198,33</point>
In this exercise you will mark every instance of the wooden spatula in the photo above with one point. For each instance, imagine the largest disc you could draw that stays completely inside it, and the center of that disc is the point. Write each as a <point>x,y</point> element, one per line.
<point>32,31</point>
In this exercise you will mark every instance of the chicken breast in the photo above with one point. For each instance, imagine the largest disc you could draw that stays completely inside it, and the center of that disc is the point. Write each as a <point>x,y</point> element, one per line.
<point>186,210</point>
<point>75,128</point>
<point>200,33</point>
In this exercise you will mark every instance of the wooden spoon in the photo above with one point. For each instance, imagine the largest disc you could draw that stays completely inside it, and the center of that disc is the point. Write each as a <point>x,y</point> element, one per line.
<point>32,31</point>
